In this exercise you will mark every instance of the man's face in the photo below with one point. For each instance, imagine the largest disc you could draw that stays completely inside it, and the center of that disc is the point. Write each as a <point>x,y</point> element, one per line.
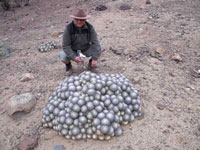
<point>79,22</point>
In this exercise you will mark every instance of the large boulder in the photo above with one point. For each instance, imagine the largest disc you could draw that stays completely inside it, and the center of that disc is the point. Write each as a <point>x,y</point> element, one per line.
<point>21,103</point>
<point>28,143</point>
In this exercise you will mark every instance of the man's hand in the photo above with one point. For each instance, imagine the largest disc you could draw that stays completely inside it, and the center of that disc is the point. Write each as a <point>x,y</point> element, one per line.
<point>78,59</point>
<point>93,63</point>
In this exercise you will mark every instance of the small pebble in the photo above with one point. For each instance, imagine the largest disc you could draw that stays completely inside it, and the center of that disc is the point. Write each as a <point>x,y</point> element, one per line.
<point>148,2</point>
<point>59,147</point>
<point>199,127</point>
<point>160,106</point>
<point>101,8</point>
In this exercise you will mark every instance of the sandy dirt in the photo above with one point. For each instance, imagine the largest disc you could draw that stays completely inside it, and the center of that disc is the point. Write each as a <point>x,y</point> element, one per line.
<point>131,39</point>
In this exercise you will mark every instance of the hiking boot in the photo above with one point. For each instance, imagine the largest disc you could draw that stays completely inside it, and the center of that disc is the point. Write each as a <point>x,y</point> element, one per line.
<point>69,70</point>
<point>92,69</point>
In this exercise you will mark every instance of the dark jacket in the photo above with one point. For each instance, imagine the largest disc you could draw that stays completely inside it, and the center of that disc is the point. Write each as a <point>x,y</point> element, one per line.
<point>81,39</point>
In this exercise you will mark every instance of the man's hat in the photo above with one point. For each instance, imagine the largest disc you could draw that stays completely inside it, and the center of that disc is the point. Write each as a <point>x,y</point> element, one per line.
<point>80,14</point>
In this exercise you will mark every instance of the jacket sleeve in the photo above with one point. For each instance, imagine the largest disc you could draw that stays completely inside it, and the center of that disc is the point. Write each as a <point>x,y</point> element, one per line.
<point>67,44</point>
<point>95,47</point>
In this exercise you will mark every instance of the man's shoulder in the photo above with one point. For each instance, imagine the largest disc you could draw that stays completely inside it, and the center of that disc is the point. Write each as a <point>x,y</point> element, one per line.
<point>89,26</point>
<point>69,27</point>
<point>69,24</point>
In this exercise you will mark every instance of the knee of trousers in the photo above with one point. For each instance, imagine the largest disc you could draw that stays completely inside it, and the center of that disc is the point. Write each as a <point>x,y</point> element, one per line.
<point>63,56</point>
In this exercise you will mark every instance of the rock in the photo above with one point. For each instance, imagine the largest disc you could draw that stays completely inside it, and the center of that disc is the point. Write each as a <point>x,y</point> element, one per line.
<point>59,147</point>
<point>148,2</point>
<point>39,94</point>
<point>166,131</point>
<point>136,80</point>
<point>178,110</point>
<point>125,7</point>
<point>197,134</point>
<point>45,47</point>
<point>160,106</point>
<point>49,135</point>
<point>190,87</point>
<point>116,52</point>
<point>21,103</point>
<point>126,52</point>
<point>176,57</point>
<point>157,53</point>
<point>2,111</point>
<point>23,54</point>
<point>154,15</point>
<point>141,116</point>
<point>199,127</point>
<point>4,50</point>
<point>22,27</point>
<point>28,143</point>
<point>18,136</point>
<point>170,109</point>
<point>198,108</point>
<point>129,147</point>
<point>56,34</point>
<point>195,72</point>
<point>171,74</point>
<point>101,7</point>
<point>156,148</point>
<point>160,51</point>
<point>27,77</point>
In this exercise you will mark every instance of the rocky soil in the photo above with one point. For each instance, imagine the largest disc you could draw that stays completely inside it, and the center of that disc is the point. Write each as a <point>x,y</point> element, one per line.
<point>156,46</point>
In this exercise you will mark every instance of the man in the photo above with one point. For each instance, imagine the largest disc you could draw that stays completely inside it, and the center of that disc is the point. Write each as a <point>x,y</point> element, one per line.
<point>80,35</point>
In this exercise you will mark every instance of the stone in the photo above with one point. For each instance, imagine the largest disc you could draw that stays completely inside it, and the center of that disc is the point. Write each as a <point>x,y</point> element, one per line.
<point>49,135</point>
<point>199,127</point>
<point>136,80</point>
<point>4,50</point>
<point>176,57</point>
<point>195,72</point>
<point>156,148</point>
<point>148,2</point>
<point>171,74</point>
<point>116,52</point>
<point>101,8</point>
<point>59,147</point>
<point>2,111</point>
<point>160,51</point>
<point>21,103</point>
<point>125,7</point>
<point>56,34</point>
<point>170,109</point>
<point>198,108</point>
<point>27,77</point>
<point>160,106</point>
<point>28,143</point>
<point>153,14</point>
<point>166,131</point>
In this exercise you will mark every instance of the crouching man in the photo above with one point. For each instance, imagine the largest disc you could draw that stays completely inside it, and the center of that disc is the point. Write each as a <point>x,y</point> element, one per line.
<point>80,35</point>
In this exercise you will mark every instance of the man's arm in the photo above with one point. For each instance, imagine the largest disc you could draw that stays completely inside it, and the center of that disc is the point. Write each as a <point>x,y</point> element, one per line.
<point>67,44</point>
<point>95,45</point>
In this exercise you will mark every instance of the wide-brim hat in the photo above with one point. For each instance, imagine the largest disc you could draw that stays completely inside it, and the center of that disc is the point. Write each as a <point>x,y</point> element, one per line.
<point>80,14</point>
